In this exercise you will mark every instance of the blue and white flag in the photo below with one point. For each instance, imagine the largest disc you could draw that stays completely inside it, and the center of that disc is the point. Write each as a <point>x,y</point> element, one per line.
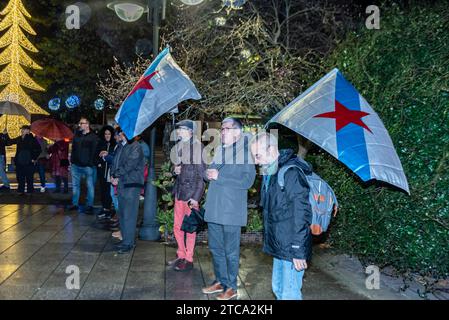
<point>333,115</point>
<point>158,91</point>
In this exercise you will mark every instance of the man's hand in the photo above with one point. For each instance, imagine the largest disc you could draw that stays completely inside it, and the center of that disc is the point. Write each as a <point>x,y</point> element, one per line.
<point>212,174</point>
<point>300,264</point>
<point>178,170</point>
<point>193,203</point>
<point>103,154</point>
<point>114,181</point>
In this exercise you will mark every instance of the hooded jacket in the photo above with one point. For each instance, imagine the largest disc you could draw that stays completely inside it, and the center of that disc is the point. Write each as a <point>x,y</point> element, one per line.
<point>84,149</point>
<point>287,213</point>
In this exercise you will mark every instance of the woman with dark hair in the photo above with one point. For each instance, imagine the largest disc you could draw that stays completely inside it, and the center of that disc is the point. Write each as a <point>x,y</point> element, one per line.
<point>59,163</point>
<point>105,146</point>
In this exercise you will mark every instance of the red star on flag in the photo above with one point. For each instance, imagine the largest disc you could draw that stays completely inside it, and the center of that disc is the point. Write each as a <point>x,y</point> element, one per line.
<point>143,83</point>
<point>344,116</point>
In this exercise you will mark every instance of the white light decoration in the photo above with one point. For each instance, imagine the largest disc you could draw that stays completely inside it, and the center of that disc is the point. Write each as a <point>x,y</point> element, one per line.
<point>220,21</point>
<point>245,53</point>
<point>128,11</point>
<point>191,2</point>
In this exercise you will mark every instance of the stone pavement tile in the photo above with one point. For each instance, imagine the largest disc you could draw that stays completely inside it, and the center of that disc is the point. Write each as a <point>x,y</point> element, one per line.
<point>55,293</point>
<point>143,292</point>
<point>101,291</point>
<point>16,292</point>
<point>257,281</point>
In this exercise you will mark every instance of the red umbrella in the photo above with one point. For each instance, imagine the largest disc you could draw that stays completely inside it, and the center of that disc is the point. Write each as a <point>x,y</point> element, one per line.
<point>51,129</point>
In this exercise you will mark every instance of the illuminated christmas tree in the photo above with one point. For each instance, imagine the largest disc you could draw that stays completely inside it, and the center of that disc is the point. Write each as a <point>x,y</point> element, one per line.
<point>13,77</point>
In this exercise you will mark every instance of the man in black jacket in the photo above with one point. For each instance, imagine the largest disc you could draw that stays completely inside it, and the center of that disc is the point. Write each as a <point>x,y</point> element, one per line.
<point>287,215</point>
<point>83,159</point>
<point>28,149</point>
<point>3,176</point>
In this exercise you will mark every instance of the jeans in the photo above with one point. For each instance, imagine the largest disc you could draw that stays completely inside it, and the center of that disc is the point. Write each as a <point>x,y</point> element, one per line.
<point>286,281</point>
<point>224,245</point>
<point>3,175</point>
<point>114,198</point>
<point>40,167</point>
<point>77,174</point>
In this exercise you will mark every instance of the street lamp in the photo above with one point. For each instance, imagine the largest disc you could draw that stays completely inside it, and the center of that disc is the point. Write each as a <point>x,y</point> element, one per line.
<point>129,11</point>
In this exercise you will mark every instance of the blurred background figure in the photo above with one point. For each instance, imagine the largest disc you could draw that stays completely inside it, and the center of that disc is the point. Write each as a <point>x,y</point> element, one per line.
<point>59,164</point>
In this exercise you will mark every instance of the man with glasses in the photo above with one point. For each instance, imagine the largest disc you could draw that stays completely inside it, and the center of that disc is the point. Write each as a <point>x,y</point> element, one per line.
<point>83,160</point>
<point>231,174</point>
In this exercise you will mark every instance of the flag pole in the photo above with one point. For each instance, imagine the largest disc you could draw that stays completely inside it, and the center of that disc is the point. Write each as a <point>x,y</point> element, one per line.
<point>150,227</point>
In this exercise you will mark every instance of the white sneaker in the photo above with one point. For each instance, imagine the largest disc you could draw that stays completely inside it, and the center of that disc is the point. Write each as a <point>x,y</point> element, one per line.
<point>42,189</point>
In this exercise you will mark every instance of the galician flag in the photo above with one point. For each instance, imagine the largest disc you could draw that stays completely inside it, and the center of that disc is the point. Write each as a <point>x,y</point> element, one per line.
<point>161,88</point>
<point>334,115</point>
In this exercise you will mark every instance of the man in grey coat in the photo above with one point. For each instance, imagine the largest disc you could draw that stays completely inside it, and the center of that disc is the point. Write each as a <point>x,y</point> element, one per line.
<point>231,174</point>
<point>127,172</point>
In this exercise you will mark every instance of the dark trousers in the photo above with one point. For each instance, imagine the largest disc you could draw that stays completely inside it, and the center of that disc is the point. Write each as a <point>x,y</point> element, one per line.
<point>105,187</point>
<point>58,184</point>
<point>25,173</point>
<point>224,245</point>
<point>128,203</point>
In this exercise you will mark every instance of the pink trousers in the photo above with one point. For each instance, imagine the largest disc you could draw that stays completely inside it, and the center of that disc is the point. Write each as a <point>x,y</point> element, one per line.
<point>185,249</point>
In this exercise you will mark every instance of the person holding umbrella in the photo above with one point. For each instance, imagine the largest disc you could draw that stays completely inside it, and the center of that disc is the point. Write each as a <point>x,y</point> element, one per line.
<point>59,163</point>
<point>28,149</point>
<point>3,176</point>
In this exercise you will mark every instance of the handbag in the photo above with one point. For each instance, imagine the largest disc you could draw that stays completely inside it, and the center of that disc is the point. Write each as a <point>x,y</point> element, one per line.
<point>194,222</point>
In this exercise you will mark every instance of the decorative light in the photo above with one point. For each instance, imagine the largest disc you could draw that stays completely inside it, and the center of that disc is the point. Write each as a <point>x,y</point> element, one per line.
<point>99,104</point>
<point>234,4</point>
<point>54,104</point>
<point>15,47</point>
<point>245,53</point>
<point>73,102</point>
<point>128,11</point>
<point>191,2</point>
<point>220,21</point>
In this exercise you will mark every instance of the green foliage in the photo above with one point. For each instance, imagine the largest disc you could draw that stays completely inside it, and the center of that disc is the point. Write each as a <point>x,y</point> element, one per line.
<point>165,210</point>
<point>403,72</point>
<point>255,221</point>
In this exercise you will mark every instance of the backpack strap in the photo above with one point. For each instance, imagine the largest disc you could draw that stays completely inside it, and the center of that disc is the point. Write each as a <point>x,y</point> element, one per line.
<point>281,174</point>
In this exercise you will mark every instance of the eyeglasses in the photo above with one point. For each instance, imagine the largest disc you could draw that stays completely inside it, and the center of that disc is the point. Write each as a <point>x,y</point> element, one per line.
<point>227,129</point>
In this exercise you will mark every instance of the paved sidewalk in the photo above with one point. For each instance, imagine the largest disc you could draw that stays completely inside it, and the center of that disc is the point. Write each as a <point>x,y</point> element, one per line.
<point>38,243</point>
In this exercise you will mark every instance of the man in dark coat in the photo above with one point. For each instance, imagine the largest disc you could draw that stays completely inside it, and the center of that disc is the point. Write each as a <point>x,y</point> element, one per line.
<point>231,174</point>
<point>127,173</point>
<point>28,149</point>
<point>188,190</point>
<point>84,159</point>
<point>287,215</point>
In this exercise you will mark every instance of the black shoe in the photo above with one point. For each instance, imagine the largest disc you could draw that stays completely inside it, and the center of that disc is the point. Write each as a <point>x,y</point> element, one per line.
<point>89,210</point>
<point>104,214</point>
<point>5,189</point>
<point>73,208</point>
<point>124,249</point>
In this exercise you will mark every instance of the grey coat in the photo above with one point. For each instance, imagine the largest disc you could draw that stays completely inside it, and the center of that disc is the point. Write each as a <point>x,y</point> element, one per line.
<point>227,197</point>
<point>128,165</point>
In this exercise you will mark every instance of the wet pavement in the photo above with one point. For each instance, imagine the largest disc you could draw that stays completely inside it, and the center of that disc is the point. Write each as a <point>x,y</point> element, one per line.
<point>39,242</point>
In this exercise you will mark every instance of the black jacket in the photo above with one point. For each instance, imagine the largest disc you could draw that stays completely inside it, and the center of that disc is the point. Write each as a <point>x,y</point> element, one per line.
<point>288,213</point>
<point>103,166</point>
<point>84,149</point>
<point>28,149</point>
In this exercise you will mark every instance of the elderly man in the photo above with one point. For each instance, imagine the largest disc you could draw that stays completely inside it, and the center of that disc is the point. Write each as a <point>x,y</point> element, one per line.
<point>188,190</point>
<point>231,174</point>
<point>287,215</point>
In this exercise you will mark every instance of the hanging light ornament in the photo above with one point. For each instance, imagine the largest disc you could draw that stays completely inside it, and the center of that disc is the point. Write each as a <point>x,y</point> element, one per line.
<point>99,104</point>
<point>233,4</point>
<point>220,21</point>
<point>54,104</point>
<point>73,102</point>
<point>245,53</point>
<point>191,2</point>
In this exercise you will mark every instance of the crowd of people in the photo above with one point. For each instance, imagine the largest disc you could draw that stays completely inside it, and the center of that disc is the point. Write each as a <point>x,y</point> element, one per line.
<point>119,165</point>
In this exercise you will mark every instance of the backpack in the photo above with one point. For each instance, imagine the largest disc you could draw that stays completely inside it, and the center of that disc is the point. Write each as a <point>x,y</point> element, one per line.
<point>321,197</point>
